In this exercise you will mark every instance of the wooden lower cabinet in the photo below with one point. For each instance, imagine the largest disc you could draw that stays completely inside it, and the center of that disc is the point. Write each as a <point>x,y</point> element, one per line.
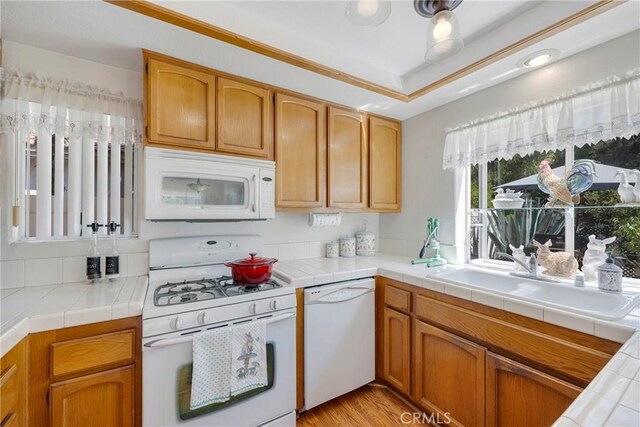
<point>473,365</point>
<point>396,349</point>
<point>104,399</point>
<point>13,386</point>
<point>449,375</point>
<point>519,395</point>
<point>89,375</point>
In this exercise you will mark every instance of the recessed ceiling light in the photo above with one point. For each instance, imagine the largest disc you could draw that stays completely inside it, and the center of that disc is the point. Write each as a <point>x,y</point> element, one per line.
<point>539,58</point>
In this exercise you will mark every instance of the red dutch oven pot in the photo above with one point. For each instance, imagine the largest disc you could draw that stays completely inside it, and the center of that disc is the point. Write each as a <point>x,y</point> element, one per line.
<point>251,271</point>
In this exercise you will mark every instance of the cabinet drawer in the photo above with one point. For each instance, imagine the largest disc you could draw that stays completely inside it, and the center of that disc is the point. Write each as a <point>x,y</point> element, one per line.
<point>84,354</point>
<point>397,298</point>
<point>9,391</point>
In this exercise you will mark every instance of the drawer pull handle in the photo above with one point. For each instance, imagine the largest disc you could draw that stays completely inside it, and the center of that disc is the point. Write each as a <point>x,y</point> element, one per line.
<point>8,420</point>
<point>7,374</point>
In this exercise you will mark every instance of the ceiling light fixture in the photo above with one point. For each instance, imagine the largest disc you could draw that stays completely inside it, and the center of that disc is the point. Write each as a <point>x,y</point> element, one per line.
<point>443,30</point>
<point>539,58</point>
<point>368,13</point>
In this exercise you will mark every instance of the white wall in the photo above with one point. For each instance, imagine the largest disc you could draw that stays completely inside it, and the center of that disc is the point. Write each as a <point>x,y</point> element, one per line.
<point>287,236</point>
<point>428,190</point>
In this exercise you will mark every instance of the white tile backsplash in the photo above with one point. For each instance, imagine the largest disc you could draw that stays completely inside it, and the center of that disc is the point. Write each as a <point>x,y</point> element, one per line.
<point>137,264</point>
<point>289,251</point>
<point>74,269</point>
<point>317,249</point>
<point>42,271</point>
<point>11,274</point>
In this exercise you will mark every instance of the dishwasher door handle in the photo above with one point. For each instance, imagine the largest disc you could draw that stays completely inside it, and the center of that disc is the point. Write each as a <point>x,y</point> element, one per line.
<point>341,295</point>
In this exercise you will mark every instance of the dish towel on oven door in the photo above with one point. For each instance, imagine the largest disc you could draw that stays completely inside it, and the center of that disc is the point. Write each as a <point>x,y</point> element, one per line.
<point>210,380</point>
<point>248,357</point>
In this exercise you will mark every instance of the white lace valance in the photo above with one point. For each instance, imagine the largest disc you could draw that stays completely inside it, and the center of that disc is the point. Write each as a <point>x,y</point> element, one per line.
<point>30,103</point>
<point>600,111</point>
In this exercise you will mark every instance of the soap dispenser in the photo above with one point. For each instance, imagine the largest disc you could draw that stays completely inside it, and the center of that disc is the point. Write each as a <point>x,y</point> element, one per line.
<point>610,276</point>
<point>112,260</point>
<point>94,273</point>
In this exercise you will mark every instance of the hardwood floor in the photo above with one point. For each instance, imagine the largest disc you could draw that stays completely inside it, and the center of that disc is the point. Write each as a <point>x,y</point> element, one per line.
<point>367,406</point>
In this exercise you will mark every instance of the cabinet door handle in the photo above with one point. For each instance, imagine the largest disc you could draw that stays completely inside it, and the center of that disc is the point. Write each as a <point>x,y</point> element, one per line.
<point>8,420</point>
<point>7,374</point>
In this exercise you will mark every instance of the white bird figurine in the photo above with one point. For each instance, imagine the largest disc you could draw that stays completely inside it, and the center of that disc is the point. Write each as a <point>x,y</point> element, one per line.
<point>625,190</point>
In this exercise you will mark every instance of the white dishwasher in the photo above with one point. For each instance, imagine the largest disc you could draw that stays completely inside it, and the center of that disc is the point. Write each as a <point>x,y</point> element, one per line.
<point>339,342</point>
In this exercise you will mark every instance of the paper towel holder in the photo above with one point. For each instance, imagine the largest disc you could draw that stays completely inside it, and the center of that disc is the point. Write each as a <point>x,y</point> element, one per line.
<point>324,219</point>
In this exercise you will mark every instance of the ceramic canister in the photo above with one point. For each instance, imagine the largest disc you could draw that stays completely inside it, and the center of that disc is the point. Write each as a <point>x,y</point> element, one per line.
<point>365,243</point>
<point>332,249</point>
<point>348,246</point>
<point>610,277</point>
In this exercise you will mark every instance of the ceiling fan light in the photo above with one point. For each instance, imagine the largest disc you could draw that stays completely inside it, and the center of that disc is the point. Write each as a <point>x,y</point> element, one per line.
<point>443,37</point>
<point>368,13</point>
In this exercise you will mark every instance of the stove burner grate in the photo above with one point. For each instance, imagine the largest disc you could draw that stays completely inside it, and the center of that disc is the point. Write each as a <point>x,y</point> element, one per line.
<point>205,289</point>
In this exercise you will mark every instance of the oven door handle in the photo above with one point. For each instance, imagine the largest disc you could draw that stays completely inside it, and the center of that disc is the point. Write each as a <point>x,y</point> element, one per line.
<point>164,342</point>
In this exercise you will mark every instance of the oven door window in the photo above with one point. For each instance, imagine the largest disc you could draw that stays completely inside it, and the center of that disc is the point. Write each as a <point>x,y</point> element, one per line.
<point>203,192</point>
<point>184,390</point>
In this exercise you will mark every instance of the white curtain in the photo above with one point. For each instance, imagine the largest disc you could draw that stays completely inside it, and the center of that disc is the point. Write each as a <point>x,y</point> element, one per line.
<point>76,129</point>
<point>587,115</point>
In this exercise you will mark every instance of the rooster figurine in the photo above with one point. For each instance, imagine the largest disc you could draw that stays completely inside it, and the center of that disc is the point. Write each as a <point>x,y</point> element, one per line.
<point>566,191</point>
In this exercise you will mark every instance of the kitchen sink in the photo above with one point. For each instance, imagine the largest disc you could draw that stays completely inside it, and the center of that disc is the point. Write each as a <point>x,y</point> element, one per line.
<point>588,301</point>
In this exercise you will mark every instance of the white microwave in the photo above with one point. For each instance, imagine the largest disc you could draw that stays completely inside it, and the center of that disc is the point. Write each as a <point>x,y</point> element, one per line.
<point>192,186</point>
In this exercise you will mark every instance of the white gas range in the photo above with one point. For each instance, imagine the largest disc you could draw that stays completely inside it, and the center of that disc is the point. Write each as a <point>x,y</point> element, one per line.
<point>190,291</point>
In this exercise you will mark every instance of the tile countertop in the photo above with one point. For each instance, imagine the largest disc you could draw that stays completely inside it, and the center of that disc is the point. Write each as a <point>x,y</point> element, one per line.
<point>41,308</point>
<point>612,398</point>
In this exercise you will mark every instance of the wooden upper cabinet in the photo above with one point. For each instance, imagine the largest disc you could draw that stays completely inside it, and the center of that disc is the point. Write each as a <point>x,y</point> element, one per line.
<point>180,105</point>
<point>519,395</point>
<point>385,165</point>
<point>300,148</point>
<point>104,399</point>
<point>244,118</point>
<point>396,349</point>
<point>347,159</point>
<point>449,374</point>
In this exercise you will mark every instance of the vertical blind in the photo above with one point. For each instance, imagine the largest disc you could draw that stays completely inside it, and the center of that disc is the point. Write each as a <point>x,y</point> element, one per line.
<point>74,149</point>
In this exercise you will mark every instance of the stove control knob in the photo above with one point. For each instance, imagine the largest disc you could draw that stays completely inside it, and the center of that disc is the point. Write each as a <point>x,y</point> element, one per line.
<point>202,318</point>
<point>274,305</point>
<point>253,308</point>
<point>176,323</point>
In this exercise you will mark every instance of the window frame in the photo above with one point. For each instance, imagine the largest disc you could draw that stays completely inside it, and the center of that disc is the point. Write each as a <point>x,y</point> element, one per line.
<point>483,191</point>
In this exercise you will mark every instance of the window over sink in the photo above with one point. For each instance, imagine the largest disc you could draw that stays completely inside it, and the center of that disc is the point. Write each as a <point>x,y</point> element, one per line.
<point>601,211</point>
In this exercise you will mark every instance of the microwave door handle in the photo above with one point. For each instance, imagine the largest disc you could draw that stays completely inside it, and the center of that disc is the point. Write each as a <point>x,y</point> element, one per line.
<point>255,193</point>
<point>164,342</point>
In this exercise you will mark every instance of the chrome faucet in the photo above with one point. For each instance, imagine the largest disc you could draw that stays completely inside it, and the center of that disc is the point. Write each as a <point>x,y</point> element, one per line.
<point>531,266</point>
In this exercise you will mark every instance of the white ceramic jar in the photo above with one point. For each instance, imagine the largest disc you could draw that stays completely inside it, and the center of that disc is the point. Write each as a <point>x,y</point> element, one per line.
<point>610,277</point>
<point>365,243</point>
<point>348,246</point>
<point>332,249</point>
